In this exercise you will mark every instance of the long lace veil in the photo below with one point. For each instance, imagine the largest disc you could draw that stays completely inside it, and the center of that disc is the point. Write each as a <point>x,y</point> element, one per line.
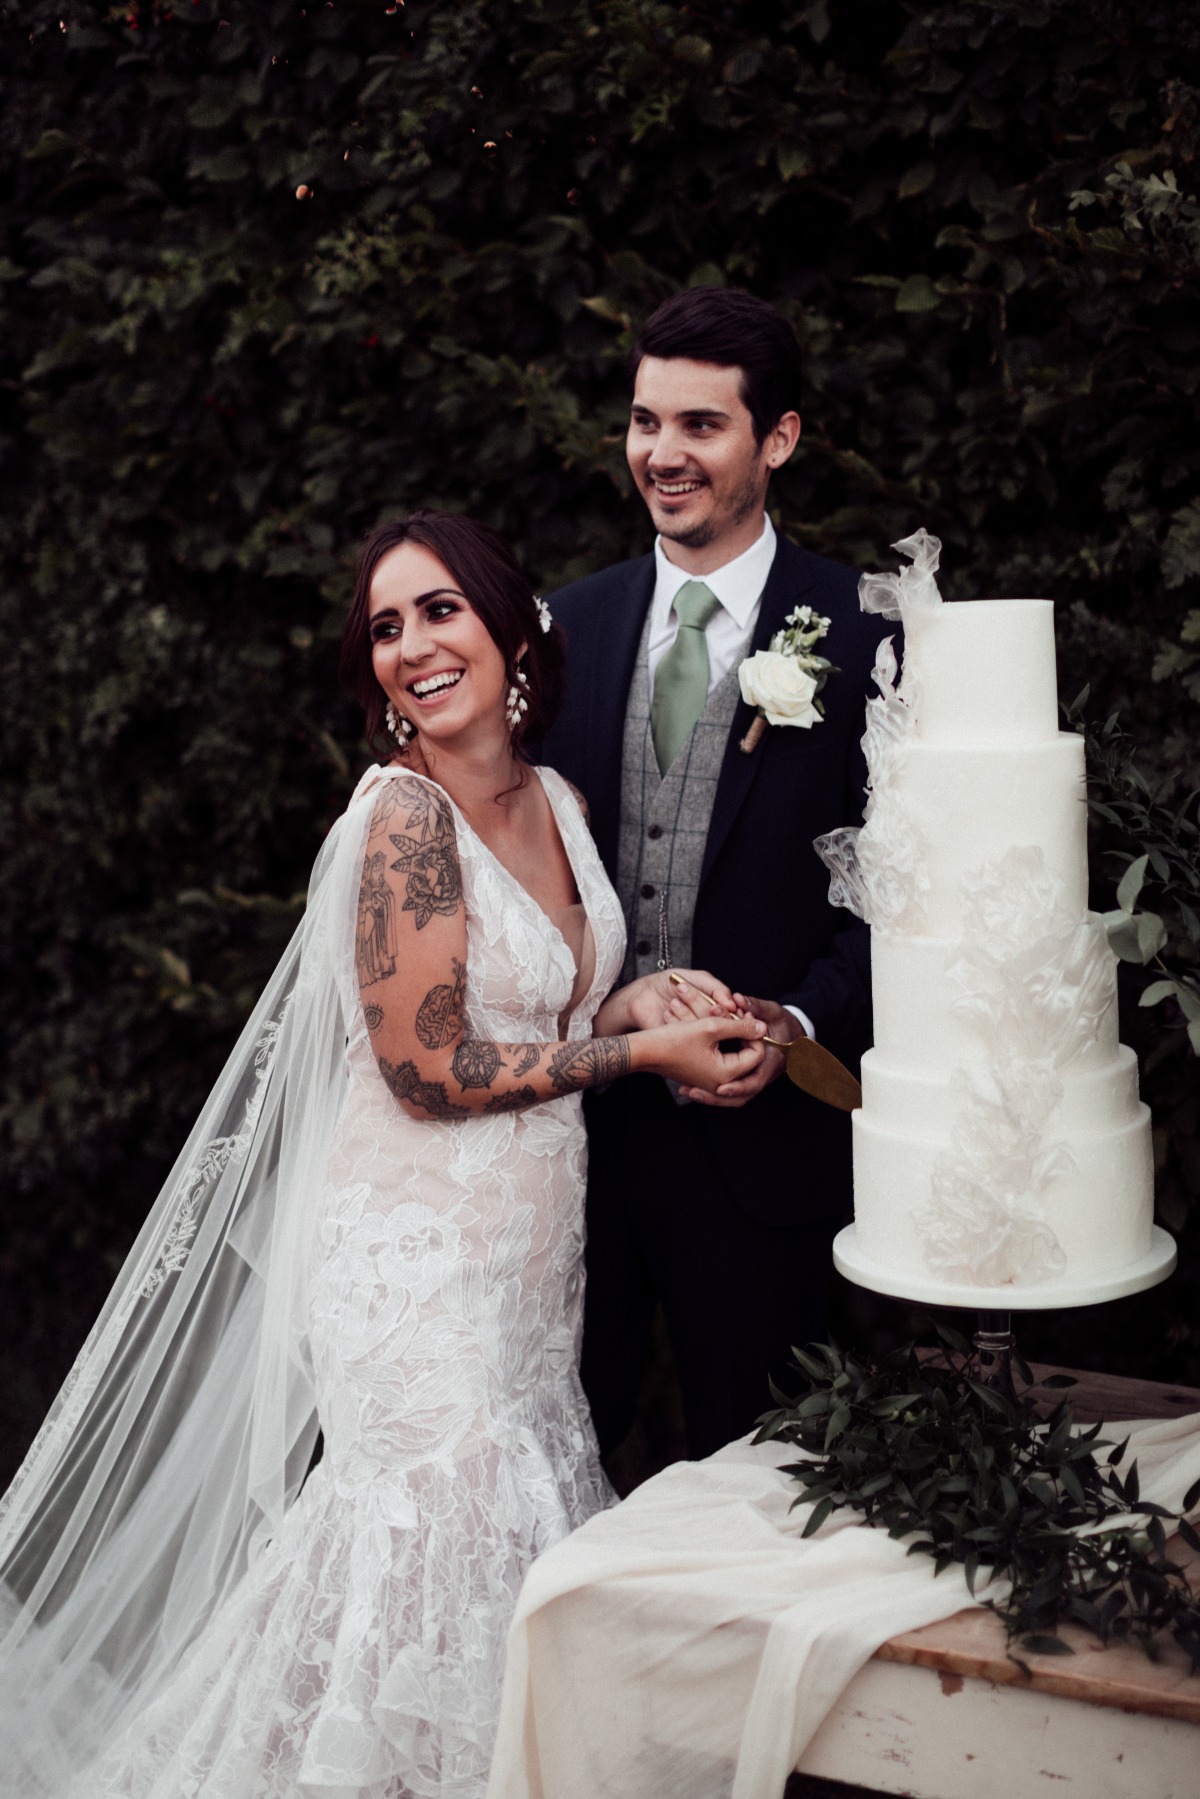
<point>186,1426</point>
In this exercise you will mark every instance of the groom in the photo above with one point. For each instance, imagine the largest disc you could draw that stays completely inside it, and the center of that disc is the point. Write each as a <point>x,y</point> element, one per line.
<point>723,1212</point>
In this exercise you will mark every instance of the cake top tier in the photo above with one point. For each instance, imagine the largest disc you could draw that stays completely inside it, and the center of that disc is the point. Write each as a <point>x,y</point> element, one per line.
<point>984,671</point>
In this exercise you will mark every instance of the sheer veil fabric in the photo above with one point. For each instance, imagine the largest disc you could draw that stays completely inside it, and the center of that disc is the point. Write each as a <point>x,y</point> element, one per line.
<point>161,1490</point>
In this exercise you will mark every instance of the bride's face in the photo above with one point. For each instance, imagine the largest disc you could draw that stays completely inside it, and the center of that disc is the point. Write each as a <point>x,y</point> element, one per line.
<point>432,654</point>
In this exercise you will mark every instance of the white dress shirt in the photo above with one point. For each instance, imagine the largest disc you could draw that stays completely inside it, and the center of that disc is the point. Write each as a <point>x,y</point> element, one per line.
<point>738,585</point>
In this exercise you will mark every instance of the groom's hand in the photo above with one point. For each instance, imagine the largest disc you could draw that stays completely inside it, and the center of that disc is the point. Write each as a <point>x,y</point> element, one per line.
<point>781,1024</point>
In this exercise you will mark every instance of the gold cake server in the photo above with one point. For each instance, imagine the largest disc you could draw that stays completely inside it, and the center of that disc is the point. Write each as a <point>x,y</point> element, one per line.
<point>810,1066</point>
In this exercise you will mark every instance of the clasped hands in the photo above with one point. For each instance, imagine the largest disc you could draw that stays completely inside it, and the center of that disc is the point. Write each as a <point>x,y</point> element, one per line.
<point>677,1030</point>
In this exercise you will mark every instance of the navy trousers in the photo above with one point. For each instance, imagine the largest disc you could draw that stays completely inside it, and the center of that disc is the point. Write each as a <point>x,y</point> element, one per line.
<point>664,1226</point>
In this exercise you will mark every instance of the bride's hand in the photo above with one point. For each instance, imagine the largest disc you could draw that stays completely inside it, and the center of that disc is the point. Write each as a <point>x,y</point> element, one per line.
<point>689,1051</point>
<point>654,999</point>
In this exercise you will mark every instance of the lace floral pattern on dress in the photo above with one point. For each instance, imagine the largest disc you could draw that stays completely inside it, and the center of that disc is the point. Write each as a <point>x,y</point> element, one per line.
<point>363,1653</point>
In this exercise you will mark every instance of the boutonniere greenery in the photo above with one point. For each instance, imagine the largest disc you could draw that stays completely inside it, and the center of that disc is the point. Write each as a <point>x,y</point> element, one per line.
<point>783,681</point>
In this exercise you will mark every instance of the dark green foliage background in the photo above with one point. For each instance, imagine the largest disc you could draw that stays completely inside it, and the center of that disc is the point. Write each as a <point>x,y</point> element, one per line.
<point>270,271</point>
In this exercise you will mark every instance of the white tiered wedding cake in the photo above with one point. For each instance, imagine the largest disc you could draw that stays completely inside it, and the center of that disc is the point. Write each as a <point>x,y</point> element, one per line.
<point>1001,1156</point>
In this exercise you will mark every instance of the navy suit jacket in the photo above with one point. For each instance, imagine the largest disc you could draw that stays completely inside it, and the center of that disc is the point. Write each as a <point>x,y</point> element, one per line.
<point>763,921</point>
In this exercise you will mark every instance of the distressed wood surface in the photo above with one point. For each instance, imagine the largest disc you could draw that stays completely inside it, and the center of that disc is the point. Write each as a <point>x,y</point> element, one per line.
<point>943,1713</point>
<point>972,1645</point>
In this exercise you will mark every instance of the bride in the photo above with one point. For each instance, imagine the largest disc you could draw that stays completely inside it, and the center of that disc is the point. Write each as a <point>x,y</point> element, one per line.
<point>374,1232</point>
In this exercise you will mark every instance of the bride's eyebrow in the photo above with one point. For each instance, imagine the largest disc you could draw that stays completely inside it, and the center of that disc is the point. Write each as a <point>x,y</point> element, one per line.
<point>422,599</point>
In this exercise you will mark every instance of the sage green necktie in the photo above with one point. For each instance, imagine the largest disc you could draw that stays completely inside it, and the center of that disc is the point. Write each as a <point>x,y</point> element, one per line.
<point>681,678</point>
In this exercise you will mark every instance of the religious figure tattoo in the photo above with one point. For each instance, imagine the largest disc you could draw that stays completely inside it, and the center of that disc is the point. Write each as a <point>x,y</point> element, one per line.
<point>376,930</point>
<point>404,1082</point>
<point>374,1016</point>
<point>475,1063</point>
<point>588,1064</point>
<point>428,856</point>
<point>516,1101</point>
<point>440,1014</point>
<point>527,1059</point>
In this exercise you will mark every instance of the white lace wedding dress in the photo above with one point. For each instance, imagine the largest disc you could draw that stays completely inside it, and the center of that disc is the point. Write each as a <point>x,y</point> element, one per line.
<point>363,1652</point>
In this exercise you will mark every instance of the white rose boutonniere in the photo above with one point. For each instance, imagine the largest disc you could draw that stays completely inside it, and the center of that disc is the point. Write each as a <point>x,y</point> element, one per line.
<point>784,680</point>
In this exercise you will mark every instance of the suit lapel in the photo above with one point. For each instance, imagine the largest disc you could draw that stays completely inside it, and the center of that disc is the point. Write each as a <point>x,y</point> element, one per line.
<point>612,675</point>
<point>786,585</point>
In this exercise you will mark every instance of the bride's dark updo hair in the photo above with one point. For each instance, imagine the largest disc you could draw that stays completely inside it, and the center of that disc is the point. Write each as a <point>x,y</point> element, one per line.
<point>487,572</point>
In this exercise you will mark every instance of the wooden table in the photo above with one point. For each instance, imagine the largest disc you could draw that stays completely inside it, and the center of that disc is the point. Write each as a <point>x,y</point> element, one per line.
<point>942,1713</point>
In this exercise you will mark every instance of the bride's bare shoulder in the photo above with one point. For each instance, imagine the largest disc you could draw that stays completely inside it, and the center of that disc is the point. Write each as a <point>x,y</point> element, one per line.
<point>578,797</point>
<point>413,805</point>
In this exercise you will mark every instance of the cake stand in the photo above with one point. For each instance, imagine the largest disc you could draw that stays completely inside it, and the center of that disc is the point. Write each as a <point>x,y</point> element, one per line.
<point>995,1305</point>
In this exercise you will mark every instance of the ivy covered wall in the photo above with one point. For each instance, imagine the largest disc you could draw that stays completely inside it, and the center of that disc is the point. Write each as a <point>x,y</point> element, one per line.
<point>269,271</point>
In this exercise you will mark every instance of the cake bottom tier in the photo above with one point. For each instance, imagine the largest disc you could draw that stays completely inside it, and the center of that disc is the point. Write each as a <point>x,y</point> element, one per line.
<point>1100,1209</point>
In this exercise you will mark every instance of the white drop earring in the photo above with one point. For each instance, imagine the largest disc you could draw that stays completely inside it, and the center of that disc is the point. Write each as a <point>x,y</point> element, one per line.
<point>400,727</point>
<point>517,705</point>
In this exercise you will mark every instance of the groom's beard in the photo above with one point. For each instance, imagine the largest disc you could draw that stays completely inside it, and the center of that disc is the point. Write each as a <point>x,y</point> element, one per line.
<point>744,503</point>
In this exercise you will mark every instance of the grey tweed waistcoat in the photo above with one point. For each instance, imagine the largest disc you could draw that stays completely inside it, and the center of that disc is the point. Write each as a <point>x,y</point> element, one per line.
<point>665,820</point>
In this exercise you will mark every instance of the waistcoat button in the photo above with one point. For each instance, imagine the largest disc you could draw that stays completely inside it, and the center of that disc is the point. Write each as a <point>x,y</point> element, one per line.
<point>655,832</point>
<point>643,946</point>
<point>647,890</point>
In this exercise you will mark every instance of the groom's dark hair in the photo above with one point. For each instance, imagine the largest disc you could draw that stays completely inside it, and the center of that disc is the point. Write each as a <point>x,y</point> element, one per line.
<point>735,330</point>
<point>498,589</point>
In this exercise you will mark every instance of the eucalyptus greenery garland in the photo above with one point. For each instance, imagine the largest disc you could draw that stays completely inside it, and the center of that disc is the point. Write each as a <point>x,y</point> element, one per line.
<point>923,1448</point>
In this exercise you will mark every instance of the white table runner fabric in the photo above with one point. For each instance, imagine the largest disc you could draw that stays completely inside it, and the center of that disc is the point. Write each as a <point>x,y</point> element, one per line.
<point>688,1644</point>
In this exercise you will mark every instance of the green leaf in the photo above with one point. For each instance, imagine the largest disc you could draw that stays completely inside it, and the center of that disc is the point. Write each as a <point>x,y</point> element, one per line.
<point>742,66</point>
<point>917,294</point>
<point>1152,935</point>
<point>794,161</point>
<point>991,1398</point>
<point>839,1418</point>
<point>1131,885</point>
<point>1040,1644</point>
<point>1123,937</point>
<point>814,1368</point>
<point>1158,990</point>
<point>693,49</point>
<point>916,180</point>
<point>820,1512</point>
<point>952,1339</point>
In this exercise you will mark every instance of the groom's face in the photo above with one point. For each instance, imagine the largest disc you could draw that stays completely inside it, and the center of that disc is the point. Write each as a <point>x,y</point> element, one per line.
<point>692,451</point>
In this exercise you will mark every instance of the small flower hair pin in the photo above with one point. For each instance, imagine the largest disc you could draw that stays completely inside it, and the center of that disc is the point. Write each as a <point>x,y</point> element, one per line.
<point>543,612</point>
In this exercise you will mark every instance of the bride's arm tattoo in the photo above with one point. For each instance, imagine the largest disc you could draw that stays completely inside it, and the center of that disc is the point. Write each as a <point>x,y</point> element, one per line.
<point>404,1081</point>
<point>588,1064</point>
<point>429,857</point>
<point>375,937</point>
<point>516,1101</point>
<point>426,1054</point>
<point>440,1014</point>
<point>476,1063</point>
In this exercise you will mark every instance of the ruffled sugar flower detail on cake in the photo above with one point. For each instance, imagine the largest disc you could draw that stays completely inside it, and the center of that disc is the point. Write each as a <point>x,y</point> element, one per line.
<point>784,680</point>
<point>879,868</point>
<point>1033,979</point>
